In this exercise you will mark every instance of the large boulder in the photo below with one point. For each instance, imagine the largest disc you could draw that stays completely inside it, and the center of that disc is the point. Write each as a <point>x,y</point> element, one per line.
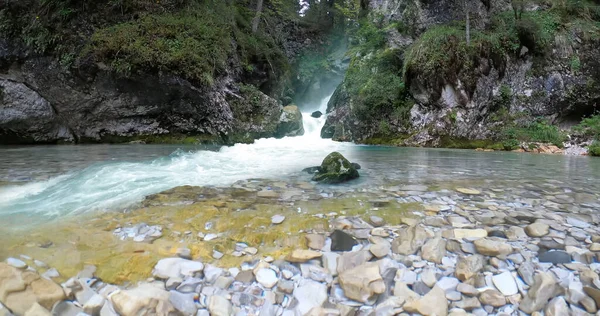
<point>336,169</point>
<point>290,123</point>
<point>22,289</point>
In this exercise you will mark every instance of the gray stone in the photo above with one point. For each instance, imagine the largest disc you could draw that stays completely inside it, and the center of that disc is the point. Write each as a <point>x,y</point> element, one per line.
<point>176,268</point>
<point>526,271</point>
<point>467,289</point>
<point>434,250</point>
<point>14,262</point>
<point>469,266</point>
<point>555,257</point>
<point>277,219</point>
<point>183,302</point>
<point>556,307</point>
<point>409,240</point>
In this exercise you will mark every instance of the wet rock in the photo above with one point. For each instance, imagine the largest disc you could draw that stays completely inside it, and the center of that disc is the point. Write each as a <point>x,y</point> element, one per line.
<point>310,294</point>
<point>20,289</point>
<point>290,122</point>
<point>141,300</point>
<point>491,247</point>
<point>505,283</point>
<point>219,306</point>
<point>409,240</point>
<point>340,241</point>
<point>537,229</point>
<point>434,250</point>
<point>16,263</point>
<point>363,282</point>
<point>266,277</point>
<point>315,241</point>
<point>336,169</point>
<point>493,298</point>
<point>434,303</point>
<point>301,255</point>
<point>543,289</point>
<point>277,219</point>
<point>555,257</point>
<point>376,221</point>
<point>176,268</point>
<point>271,194</point>
<point>316,114</point>
<point>469,266</point>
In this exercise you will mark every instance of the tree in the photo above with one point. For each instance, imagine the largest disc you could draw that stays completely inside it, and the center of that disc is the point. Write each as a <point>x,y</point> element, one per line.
<point>518,7</point>
<point>256,20</point>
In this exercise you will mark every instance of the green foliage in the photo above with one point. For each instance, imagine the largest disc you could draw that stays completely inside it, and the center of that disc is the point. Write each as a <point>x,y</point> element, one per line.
<point>502,100</point>
<point>191,44</point>
<point>538,131</point>
<point>594,149</point>
<point>575,64</point>
<point>442,54</point>
<point>589,127</point>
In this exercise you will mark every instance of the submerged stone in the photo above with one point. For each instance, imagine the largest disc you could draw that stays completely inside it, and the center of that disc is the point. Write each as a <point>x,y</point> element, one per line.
<point>336,169</point>
<point>341,241</point>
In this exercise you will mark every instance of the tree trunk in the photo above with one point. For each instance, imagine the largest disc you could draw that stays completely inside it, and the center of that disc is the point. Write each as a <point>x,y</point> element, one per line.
<point>468,28</point>
<point>256,19</point>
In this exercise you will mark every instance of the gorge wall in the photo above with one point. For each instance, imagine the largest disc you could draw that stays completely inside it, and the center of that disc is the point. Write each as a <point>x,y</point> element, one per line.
<point>414,80</point>
<point>164,71</point>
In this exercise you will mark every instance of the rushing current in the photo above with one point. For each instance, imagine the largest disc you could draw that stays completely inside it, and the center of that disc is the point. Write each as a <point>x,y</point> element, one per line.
<point>108,184</point>
<point>52,181</point>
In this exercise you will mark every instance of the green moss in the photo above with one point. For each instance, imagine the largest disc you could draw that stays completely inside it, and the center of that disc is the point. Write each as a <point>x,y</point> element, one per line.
<point>386,140</point>
<point>159,139</point>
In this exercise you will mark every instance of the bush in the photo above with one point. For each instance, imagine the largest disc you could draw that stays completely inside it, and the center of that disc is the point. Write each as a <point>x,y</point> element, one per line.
<point>589,127</point>
<point>538,131</point>
<point>594,149</point>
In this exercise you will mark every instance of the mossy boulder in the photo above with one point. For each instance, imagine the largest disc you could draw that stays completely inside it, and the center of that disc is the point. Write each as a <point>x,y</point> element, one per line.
<point>290,123</point>
<point>336,169</point>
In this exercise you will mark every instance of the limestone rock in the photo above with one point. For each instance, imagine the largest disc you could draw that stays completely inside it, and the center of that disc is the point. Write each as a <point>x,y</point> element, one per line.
<point>266,277</point>
<point>176,268</point>
<point>433,303</point>
<point>469,266</point>
<point>37,310</point>
<point>505,283</point>
<point>315,241</point>
<point>363,282</point>
<point>219,306</point>
<point>468,191</point>
<point>516,233</point>
<point>310,294</point>
<point>493,298</point>
<point>434,250</point>
<point>302,255</point>
<point>351,260</point>
<point>489,247</point>
<point>145,299</point>
<point>21,289</point>
<point>556,307</point>
<point>543,289</point>
<point>290,122</point>
<point>410,240</point>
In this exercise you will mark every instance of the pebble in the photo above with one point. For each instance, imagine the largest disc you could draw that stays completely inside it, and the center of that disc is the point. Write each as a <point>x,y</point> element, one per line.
<point>277,219</point>
<point>505,283</point>
<point>16,263</point>
<point>266,277</point>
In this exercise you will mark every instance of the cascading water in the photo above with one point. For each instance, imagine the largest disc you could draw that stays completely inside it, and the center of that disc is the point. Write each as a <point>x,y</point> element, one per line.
<point>110,185</point>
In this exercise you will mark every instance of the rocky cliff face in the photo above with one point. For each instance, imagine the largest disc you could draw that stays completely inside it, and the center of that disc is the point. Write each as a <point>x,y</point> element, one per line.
<point>469,91</point>
<point>44,99</point>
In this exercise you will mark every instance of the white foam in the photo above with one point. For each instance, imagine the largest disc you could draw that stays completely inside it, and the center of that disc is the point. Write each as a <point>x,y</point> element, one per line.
<point>119,184</point>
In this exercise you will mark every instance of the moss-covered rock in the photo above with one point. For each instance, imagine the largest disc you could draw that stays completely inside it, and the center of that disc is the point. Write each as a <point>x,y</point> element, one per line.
<point>336,169</point>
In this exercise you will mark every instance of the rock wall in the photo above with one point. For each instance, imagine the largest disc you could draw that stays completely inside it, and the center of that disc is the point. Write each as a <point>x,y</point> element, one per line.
<point>560,86</point>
